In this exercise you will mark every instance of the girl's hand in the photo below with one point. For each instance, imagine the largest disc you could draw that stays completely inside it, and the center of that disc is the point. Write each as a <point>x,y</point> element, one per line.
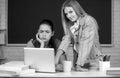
<point>59,67</point>
<point>40,41</point>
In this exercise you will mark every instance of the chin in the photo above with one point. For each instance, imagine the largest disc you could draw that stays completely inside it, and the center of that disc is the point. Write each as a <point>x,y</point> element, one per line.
<point>45,40</point>
<point>73,20</point>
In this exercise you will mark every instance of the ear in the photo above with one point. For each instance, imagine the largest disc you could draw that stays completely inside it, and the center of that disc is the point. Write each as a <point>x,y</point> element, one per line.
<point>53,33</point>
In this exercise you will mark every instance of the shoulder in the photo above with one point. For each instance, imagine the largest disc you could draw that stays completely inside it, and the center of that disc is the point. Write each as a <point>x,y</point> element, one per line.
<point>89,22</point>
<point>89,19</point>
<point>57,41</point>
<point>29,43</point>
<point>86,20</point>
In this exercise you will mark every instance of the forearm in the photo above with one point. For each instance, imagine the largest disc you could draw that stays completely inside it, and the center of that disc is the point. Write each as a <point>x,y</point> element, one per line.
<point>65,43</point>
<point>63,47</point>
<point>85,45</point>
<point>42,46</point>
<point>58,55</point>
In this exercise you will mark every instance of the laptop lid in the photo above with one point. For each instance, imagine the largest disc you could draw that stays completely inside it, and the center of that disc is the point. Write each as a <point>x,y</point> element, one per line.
<point>41,58</point>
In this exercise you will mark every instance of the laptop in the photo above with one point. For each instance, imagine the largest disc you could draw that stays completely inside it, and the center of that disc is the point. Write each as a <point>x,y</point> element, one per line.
<point>41,58</point>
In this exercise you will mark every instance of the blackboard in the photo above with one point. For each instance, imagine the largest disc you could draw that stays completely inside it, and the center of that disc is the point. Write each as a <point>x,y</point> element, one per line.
<point>24,17</point>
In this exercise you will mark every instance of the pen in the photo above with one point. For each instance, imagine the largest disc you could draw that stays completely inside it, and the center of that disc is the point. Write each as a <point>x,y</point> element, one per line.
<point>104,58</point>
<point>108,58</point>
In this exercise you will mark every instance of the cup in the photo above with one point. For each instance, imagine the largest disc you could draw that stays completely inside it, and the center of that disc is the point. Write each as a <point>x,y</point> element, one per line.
<point>67,66</point>
<point>104,65</point>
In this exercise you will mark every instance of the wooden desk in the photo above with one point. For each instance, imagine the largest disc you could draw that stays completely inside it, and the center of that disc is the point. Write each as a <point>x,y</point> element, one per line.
<point>95,74</point>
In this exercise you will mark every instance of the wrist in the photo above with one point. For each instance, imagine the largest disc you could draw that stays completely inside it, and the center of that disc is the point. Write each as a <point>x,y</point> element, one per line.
<point>60,51</point>
<point>42,46</point>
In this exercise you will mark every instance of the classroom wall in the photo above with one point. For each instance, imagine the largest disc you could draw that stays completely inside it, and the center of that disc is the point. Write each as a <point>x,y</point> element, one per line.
<point>16,52</point>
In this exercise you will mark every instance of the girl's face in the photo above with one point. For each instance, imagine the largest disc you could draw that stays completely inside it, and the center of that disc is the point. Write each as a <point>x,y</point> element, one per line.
<point>70,14</point>
<point>45,33</point>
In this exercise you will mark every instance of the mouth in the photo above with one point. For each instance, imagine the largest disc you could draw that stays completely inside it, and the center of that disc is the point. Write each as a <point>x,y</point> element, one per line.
<point>71,18</point>
<point>43,38</point>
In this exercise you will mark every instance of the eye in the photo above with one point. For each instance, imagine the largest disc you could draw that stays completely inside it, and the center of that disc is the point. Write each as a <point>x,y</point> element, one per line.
<point>41,31</point>
<point>66,14</point>
<point>70,11</point>
<point>47,31</point>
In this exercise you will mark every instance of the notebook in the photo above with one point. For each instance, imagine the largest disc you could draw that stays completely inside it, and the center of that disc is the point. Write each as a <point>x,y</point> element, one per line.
<point>41,58</point>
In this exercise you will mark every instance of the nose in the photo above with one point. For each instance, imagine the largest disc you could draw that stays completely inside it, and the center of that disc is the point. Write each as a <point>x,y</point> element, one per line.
<point>68,15</point>
<point>44,34</point>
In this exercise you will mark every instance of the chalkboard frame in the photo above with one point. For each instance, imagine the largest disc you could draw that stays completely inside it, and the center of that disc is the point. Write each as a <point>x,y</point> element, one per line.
<point>112,21</point>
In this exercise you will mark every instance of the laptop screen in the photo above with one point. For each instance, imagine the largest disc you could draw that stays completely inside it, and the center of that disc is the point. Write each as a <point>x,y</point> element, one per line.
<point>41,58</point>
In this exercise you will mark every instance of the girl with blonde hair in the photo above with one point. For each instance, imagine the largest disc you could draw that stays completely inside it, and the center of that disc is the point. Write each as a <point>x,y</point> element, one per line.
<point>81,30</point>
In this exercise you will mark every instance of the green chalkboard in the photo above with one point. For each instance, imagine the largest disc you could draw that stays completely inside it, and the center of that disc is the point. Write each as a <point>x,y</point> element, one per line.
<point>24,17</point>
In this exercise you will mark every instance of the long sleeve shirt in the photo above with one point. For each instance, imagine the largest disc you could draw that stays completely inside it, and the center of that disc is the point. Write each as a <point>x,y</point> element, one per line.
<point>85,42</point>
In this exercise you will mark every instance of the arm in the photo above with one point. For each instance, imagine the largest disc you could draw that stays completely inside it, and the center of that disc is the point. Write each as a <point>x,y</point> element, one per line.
<point>63,47</point>
<point>40,41</point>
<point>86,41</point>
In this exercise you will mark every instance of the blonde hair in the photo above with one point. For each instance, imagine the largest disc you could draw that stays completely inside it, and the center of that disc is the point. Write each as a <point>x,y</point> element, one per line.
<point>77,8</point>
